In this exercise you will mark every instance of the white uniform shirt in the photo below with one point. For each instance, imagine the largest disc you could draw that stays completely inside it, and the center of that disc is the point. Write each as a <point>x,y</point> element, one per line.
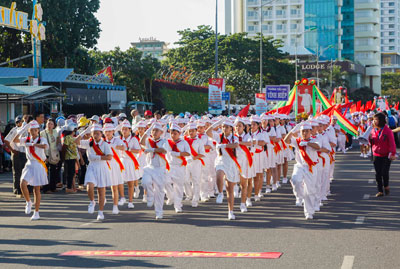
<point>198,146</point>
<point>183,146</point>
<point>104,147</point>
<point>40,152</point>
<point>309,150</point>
<point>258,136</point>
<point>245,138</point>
<point>130,143</point>
<point>152,158</point>
<point>11,136</point>
<point>232,140</point>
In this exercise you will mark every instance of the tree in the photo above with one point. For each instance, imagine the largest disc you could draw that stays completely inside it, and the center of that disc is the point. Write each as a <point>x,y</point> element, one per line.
<point>239,57</point>
<point>390,81</point>
<point>71,29</point>
<point>364,94</point>
<point>131,69</point>
<point>339,78</point>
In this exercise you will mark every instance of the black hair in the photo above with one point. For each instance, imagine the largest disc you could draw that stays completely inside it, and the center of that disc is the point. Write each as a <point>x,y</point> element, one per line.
<point>259,127</point>
<point>381,119</point>
<point>52,120</point>
<point>37,114</point>
<point>30,118</point>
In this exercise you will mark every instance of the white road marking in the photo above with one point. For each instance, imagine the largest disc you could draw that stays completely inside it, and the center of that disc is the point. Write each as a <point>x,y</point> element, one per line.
<point>360,220</point>
<point>366,196</point>
<point>347,262</point>
<point>372,170</point>
<point>371,181</point>
<point>87,224</point>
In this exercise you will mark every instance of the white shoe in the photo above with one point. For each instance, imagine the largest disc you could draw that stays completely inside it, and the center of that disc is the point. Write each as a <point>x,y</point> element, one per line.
<point>122,201</point>
<point>243,208</point>
<point>274,187</point>
<point>324,199</point>
<point>267,190</point>
<point>362,155</point>
<point>317,209</point>
<point>309,216</point>
<point>212,195</point>
<point>299,203</point>
<point>205,199</point>
<point>284,180</point>
<point>365,156</point>
<point>159,216</point>
<point>248,202</point>
<point>131,205</point>
<point>338,150</point>
<point>321,204</point>
<point>188,198</point>
<point>220,198</point>
<point>178,210</point>
<point>35,216</point>
<point>331,179</point>
<point>195,204</point>
<point>136,193</point>
<point>100,215</point>
<point>144,200</point>
<point>91,207</point>
<point>257,198</point>
<point>231,216</point>
<point>278,184</point>
<point>115,210</point>
<point>369,154</point>
<point>169,202</point>
<point>28,207</point>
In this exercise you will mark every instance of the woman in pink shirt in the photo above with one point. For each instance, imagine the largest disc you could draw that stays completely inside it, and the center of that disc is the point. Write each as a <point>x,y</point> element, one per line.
<point>384,152</point>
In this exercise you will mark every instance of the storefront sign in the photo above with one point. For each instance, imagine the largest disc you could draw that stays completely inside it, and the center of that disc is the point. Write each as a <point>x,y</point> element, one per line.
<point>261,104</point>
<point>216,86</point>
<point>10,17</point>
<point>277,92</point>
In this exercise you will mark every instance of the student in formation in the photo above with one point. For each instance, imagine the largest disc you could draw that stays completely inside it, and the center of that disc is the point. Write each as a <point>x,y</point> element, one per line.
<point>35,170</point>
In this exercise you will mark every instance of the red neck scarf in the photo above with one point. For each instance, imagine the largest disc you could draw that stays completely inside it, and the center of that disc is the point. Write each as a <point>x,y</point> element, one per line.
<point>174,147</point>
<point>153,144</point>
<point>98,151</point>
<point>116,157</point>
<point>194,153</point>
<point>247,152</point>
<point>230,152</point>
<point>305,156</point>
<point>130,154</point>
<point>34,155</point>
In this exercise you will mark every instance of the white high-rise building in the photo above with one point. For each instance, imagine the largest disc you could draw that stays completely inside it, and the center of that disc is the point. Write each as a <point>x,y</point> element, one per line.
<point>390,37</point>
<point>280,19</point>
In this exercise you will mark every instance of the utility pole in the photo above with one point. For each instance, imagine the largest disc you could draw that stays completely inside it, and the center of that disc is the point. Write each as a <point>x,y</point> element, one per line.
<point>216,39</point>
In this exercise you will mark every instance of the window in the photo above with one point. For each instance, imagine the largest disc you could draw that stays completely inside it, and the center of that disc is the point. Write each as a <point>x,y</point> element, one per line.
<point>364,55</point>
<point>364,41</point>
<point>391,4</point>
<point>363,13</point>
<point>363,27</point>
<point>391,18</point>
<point>391,11</point>
<point>391,26</point>
<point>267,13</point>
<point>251,28</point>
<point>391,40</point>
<point>280,12</point>
<point>279,27</point>
<point>293,26</point>
<point>391,33</point>
<point>391,48</point>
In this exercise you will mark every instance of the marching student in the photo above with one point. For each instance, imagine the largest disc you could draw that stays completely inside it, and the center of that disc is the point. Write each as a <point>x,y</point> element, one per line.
<point>208,161</point>
<point>35,170</point>
<point>258,141</point>
<point>117,167</point>
<point>287,151</point>
<point>245,160</point>
<point>304,172</point>
<point>98,172</point>
<point>155,172</point>
<point>129,159</point>
<point>195,164</point>
<point>361,130</point>
<point>272,172</point>
<point>139,129</point>
<point>177,152</point>
<point>226,164</point>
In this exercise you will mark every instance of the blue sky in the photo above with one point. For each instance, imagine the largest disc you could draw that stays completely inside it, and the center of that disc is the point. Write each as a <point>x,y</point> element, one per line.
<point>124,21</point>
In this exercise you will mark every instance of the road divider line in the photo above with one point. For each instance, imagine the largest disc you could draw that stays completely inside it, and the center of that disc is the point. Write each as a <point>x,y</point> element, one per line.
<point>370,181</point>
<point>360,220</point>
<point>366,196</point>
<point>348,262</point>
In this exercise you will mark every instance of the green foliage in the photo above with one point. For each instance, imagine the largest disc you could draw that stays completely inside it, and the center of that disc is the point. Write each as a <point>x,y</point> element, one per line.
<point>390,81</point>
<point>129,69</point>
<point>239,58</point>
<point>179,101</point>
<point>339,78</point>
<point>71,29</point>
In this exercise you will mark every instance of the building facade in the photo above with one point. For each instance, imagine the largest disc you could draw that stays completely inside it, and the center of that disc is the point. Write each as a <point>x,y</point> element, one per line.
<point>323,29</point>
<point>151,46</point>
<point>390,38</point>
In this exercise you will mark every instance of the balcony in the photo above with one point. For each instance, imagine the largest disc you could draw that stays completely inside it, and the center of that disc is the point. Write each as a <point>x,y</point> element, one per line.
<point>253,18</point>
<point>296,1</point>
<point>281,31</point>
<point>281,2</point>
<point>373,71</point>
<point>253,3</point>
<point>374,34</point>
<point>370,19</point>
<point>281,16</point>
<point>362,5</point>
<point>369,61</point>
<point>367,48</point>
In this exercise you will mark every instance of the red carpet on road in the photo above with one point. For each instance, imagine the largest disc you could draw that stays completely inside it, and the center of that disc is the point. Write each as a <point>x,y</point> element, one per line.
<point>175,254</point>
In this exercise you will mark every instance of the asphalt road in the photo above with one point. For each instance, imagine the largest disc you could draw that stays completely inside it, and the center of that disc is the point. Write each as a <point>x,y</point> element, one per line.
<point>354,230</point>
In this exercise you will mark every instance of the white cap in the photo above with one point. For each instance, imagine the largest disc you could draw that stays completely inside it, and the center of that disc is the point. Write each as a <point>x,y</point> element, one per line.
<point>141,124</point>
<point>192,126</point>
<point>229,123</point>
<point>255,118</point>
<point>108,127</point>
<point>239,119</point>
<point>95,118</point>
<point>34,125</point>
<point>200,123</point>
<point>175,127</point>
<point>72,126</point>
<point>371,114</point>
<point>97,127</point>
<point>158,126</point>
<point>126,124</point>
<point>314,122</point>
<point>305,126</point>
<point>122,115</point>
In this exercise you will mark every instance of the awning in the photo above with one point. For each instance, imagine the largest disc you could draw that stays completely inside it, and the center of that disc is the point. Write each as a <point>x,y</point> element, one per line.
<point>48,74</point>
<point>10,90</point>
<point>13,80</point>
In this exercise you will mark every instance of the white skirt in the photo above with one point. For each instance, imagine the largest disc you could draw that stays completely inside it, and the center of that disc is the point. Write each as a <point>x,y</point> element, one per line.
<point>288,154</point>
<point>130,173</point>
<point>229,167</point>
<point>247,171</point>
<point>271,157</point>
<point>35,174</point>
<point>258,162</point>
<point>99,174</point>
<point>117,176</point>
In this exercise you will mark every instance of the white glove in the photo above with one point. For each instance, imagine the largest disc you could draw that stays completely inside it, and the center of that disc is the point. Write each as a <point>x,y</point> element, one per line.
<point>149,130</point>
<point>118,128</point>
<point>29,144</point>
<point>296,128</point>
<point>220,146</point>
<point>184,129</point>
<point>23,129</point>
<point>218,123</point>
<point>95,157</point>
<point>85,132</point>
<point>148,150</point>
<point>134,128</point>
<point>175,154</point>
<point>303,143</point>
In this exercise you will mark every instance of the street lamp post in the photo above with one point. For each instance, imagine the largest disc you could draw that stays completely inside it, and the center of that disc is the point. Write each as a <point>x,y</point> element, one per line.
<point>295,49</point>
<point>216,38</point>
<point>261,42</point>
